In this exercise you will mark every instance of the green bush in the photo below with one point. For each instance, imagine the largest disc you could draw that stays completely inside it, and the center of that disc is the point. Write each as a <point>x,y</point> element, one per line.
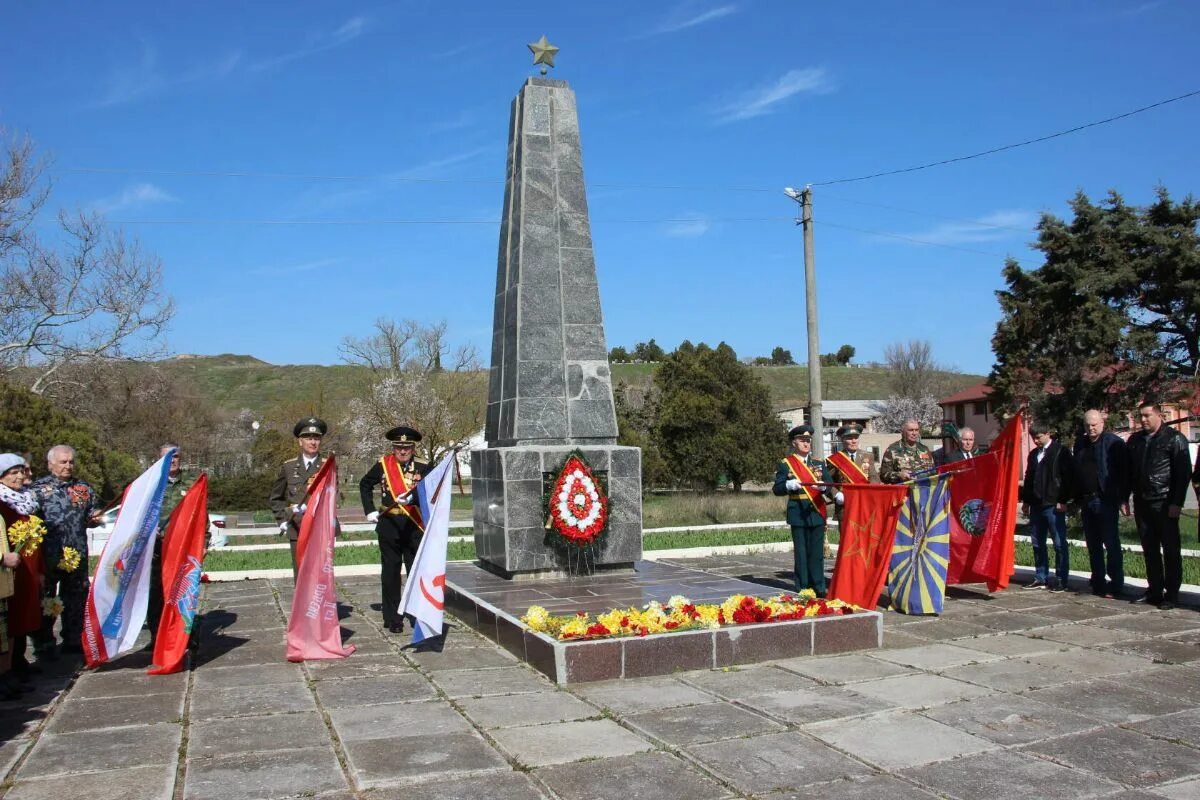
<point>240,492</point>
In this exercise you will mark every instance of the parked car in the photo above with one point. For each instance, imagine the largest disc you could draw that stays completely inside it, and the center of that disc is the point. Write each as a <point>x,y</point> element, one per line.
<point>98,535</point>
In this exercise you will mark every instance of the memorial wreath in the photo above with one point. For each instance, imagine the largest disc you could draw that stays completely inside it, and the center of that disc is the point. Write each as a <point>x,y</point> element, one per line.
<point>577,505</point>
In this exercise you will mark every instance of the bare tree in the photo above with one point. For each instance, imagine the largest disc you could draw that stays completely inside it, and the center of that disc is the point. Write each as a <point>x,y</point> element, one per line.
<point>92,296</point>
<point>396,347</point>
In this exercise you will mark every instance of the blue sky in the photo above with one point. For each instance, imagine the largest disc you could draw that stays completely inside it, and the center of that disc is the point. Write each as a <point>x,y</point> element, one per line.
<point>212,125</point>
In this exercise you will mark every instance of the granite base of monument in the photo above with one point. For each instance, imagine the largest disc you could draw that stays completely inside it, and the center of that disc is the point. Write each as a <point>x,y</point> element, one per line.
<point>493,606</point>
<point>508,485</point>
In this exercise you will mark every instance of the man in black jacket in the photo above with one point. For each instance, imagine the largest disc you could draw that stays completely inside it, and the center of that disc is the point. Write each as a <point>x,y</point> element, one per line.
<point>1045,493</point>
<point>1160,468</point>
<point>1101,463</point>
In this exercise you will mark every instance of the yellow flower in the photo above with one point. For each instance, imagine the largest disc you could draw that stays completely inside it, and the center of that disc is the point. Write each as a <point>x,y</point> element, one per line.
<point>537,618</point>
<point>575,627</point>
<point>70,559</point>
<point>678,601</point>
<point>731,605</point>
<point>51,607</point>
<point>26,535</point>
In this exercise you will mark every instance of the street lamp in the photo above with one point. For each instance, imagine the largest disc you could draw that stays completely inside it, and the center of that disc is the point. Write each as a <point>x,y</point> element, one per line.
<point>804,198</point>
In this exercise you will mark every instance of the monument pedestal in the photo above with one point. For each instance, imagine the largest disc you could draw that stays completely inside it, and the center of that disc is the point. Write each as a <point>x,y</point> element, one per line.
<point>508,485</point>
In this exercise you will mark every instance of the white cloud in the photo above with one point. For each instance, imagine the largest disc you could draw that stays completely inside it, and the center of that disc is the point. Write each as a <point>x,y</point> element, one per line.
<point>766,98</point>
<point>689,226</point>
<point>689,15</point>
<point>294,269</point>
<point>994,227</point>
<point>350,30</point>
<point>424,170</point>
<point>139,195</point>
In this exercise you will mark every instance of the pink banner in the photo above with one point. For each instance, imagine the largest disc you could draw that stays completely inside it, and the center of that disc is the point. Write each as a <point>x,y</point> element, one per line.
<point>313,630</point>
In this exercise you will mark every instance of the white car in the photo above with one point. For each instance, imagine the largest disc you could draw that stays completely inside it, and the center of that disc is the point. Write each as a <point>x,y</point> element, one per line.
<point>98,535</point>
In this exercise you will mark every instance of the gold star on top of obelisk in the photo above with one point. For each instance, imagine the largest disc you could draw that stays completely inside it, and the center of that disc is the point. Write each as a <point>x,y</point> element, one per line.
<point>543,53</point>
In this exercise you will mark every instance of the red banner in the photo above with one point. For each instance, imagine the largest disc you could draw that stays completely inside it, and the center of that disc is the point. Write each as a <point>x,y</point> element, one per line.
<point>983,506</point>
<point>182,557</point>
<point>313,630</point>
<point>866,533</point>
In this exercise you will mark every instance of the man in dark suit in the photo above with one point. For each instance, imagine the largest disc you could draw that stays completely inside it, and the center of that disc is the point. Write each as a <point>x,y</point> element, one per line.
<point>1101,464</point>
<point>1045,494</point>
<point>288,493</point>
<point>398,522</point>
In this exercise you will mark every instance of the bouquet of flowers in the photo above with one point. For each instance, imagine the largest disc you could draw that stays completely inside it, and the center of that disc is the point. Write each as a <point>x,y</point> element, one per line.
<point>25,535</point>
<point>70,559</point>
<point>51,606</point>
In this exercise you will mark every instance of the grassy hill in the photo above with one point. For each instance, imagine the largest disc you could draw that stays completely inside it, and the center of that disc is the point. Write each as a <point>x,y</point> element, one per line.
<point>234,382</point>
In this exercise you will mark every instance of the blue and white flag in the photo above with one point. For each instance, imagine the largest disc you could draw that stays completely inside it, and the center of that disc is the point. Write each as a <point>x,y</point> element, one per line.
<point>424,590</point>
<point>921,552</point>
<point>116,604</point>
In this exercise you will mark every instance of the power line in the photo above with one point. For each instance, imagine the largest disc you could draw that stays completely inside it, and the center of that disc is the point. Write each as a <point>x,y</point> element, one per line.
<point>1013,146</point>
<point>913,240</point>
<point>314,222</point>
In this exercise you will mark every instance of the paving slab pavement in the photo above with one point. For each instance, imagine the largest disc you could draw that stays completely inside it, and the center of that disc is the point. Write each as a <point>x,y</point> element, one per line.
<point>1014,692</point>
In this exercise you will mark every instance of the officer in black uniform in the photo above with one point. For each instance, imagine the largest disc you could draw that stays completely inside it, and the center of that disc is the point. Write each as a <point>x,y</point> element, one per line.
<point>398,522</point>
<point>290,489</point>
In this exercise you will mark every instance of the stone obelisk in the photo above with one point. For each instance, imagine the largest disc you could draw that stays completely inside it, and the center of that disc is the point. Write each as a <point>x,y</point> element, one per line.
<point>550,390</point>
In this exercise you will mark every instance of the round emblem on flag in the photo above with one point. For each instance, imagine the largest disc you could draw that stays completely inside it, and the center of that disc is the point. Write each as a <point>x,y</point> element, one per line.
<point>973,516</point>
<point>578,504</point>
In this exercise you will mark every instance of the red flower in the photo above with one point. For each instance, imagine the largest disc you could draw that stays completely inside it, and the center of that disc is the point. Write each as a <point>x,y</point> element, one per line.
<point>624,622</point>
<point>579,503</point>
<point>671,625</point>
<point>597,629</point>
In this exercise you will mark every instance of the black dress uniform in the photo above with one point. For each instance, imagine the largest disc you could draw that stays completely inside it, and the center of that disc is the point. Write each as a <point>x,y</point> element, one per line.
<point>399,527</point>
<point>292,482</point>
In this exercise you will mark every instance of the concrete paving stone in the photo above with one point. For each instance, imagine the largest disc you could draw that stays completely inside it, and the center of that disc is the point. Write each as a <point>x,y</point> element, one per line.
<point>1183,727</point>
<point>843,669</point>
<point>1191,637</point>
<point>242,701</point>
<point>1160,650</point>
<point>127,683</point>
<point>1174,680</point>
<point>894,640</point>
<point>222,655</point>
<point>563,742</point>
<point>1138,794</point>
<point>144,783</point>
<point>644,776</point>
<point>399,687</point>
<point>111,712</point>
<point>10,751</point>
<point>397,721</point>
<point>493,786</point>
<point>264,776</point>
<point>210,676</point>
<point>1118,701</point>
<point>1010,719</point>
<point>465,658</point>
<point>1150,623</point>
<point>1011,675</point>
<point>367,666</point>
<point>483,682</point>
<point>109,749</point>
<point>1088,663</point>
<point>775,762</point>
<point>872,787</point>
<point>920,691</point>
<point>643,694</point>
<point>1084,635</point>
<point>526,709</point>
<point>1006,774</point>
<point>695,724</point>
<point>372,647</point>
<point>1121,755</point>
<point>235,735</point>
<point>801,706</point>
<point>1184,790</point>
<point>938,630</point>
<point>381,762</point>
<point>898,739</point>
<point>936,657</point>
<point>736,683</point>
<point>1014,621</point>
<point>1011,645</point>
<point>1016,600</point>
<point>1077,612</point>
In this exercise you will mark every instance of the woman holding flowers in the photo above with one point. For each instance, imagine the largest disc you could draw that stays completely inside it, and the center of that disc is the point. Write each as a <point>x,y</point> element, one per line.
<point>22,564</point>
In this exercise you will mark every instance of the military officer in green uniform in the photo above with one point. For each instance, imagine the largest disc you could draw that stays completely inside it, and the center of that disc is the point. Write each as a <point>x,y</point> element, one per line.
<point>398,522</point>
<point>288,493</point>
<point>806,508</point>
<point>907,458</point>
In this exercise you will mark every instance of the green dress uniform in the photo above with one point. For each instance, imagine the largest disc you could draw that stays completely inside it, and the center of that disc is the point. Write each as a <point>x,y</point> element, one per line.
<point>808,527</point>
<point>289,490</point>
<point>899,457</point>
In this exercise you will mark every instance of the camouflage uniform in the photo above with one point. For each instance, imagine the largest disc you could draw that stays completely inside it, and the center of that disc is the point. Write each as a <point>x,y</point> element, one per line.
<point>899,457</point>
<point>67,508</point>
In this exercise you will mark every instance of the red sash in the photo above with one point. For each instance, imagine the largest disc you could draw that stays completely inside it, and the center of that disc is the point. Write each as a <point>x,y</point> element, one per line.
<point>846,466</point>
<point>399,486</point>
<point>802,473</point>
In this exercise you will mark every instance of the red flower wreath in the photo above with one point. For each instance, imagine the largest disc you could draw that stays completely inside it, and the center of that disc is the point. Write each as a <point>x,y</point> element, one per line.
<point>578,504</point>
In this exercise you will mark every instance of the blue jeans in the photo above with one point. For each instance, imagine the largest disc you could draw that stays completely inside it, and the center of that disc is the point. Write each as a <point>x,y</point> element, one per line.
<point>1104,545</point>
<point>1045,520</point>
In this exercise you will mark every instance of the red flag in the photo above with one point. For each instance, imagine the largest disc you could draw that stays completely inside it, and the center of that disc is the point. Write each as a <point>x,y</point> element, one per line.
<point>182,556</point>
<point>313,630</point>
<point>866,532</point>
<point>983,505</point>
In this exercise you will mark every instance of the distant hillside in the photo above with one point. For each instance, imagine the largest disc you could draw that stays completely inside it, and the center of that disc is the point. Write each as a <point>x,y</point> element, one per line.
<point>234,382</point>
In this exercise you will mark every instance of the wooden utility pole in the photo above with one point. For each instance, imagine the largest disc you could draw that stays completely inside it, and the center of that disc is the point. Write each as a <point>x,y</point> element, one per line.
<point>814,344</point>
